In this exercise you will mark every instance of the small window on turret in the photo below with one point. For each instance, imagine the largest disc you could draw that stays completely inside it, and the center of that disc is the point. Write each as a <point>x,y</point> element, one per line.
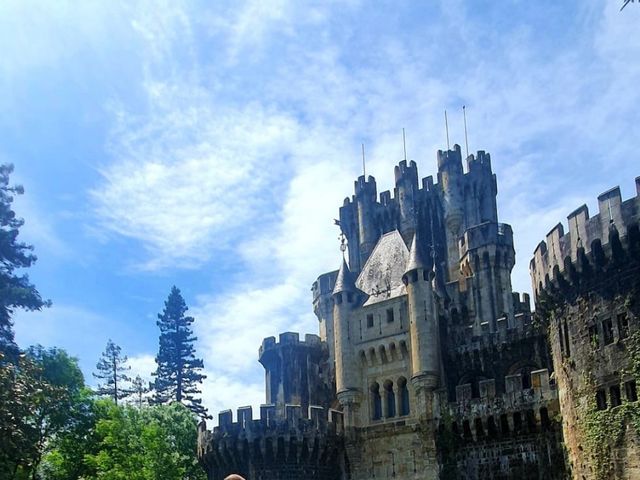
<point>390,315</point>
<point>614,393</point>
<point>623,325</point>
<point>631,391</point>
<point>593,336</point>
<point>601,400</point>
<point>370,320</point>
<point>607,331</point>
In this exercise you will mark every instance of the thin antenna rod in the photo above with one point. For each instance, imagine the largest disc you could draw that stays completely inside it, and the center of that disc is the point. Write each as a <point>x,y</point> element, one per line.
<point>404,144</point>
<point>364,168</point>
<point>466,140</point>
<point>446,125</point>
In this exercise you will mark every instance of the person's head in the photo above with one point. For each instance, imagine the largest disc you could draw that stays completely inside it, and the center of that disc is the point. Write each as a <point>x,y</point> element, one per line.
<point>234,476</point>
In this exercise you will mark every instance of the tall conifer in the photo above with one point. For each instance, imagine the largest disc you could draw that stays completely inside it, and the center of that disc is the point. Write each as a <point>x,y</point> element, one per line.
<point>178,370</point>
<point>15,290</point>
<point>112,368</point>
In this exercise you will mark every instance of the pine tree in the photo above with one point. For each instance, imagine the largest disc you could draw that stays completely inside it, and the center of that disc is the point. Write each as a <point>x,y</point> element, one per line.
<point>111,368</point>
<point>178,372</point>
<point>138,388</point>
<point>15,290</point>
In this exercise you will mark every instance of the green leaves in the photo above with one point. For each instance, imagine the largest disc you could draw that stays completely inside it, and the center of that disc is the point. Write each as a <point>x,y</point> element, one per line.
<point>153,443</point>
<point>41,398</point>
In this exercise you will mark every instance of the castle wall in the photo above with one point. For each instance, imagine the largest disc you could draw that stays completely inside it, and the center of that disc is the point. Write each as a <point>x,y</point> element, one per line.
<point>502,435</point>
<point>588,297</point>
<point>300,444</point>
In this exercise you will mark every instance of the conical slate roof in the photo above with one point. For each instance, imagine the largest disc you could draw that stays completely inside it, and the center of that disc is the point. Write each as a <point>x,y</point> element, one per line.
<point>416,257</point>
<point>345,281</point>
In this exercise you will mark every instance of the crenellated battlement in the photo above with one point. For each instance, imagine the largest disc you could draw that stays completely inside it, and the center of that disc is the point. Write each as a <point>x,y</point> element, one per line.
<point>487,233</point>
<point>450,158</point>
<point>288,339</point>
<point>590,241</point>
<point>323,286</point>
<point>481,160</point>
<point>294,417</point>
<point>308,442</point>
<point>404,172</point>
<point>365,188</point>
<point>517,410</point>
<point>521,328</point>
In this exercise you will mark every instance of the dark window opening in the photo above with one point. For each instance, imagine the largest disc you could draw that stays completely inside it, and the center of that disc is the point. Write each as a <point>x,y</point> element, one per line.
<point>517,422</point>
<point>531,421</point>
<point>349,297</point>
<point>376,401</point>
<point>389,315</point>
<point>466,430</point>
<point>504,424</point>
<point>631,391</point>
<point>566,339</point>
<point>593,336</point>
<point>623,325</point>
<point>369,320</point>
<point>391,400</point>
<point>491,426</point>
<point>526,379</point>
<point>454,428</point>
<point>561,337</point>
<point>544,418</point>
<point>479,427</point>
<point>601,400</point>
<point>607,331</point>
<point>404,397</point>
<point>614,393</point>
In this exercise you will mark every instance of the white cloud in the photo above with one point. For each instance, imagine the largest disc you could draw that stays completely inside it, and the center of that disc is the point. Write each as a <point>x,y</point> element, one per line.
<point>142,365</point>
<point>190,175</point>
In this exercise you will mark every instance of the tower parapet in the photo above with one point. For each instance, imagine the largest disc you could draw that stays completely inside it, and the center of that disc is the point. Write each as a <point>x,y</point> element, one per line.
<point>305,443</point>
<point>296,372</point>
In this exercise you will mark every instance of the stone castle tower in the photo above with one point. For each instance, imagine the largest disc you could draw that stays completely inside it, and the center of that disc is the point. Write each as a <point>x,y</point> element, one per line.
<point>587,288</point>
<point>427,364</point>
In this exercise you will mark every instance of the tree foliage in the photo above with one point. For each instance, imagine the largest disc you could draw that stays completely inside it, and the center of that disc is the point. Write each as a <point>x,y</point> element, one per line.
<point>152,443</point>
<point>178,370</point>
<point>15,290</point>
<point>40,400</point>
<point>112,368</point>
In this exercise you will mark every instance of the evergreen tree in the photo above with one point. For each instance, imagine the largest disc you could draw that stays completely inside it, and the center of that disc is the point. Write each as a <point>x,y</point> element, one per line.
<point>138,388</point>
<point>111,368</point>
<point>15,290</point>
<point>178,372</point>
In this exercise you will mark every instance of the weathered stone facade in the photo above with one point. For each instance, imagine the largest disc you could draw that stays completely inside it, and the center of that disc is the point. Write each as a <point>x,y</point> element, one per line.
<point>427,364</point>
<point>587,288</point>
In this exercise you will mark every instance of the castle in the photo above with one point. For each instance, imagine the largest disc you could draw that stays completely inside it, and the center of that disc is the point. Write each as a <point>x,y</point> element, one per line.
<point>427,365</point>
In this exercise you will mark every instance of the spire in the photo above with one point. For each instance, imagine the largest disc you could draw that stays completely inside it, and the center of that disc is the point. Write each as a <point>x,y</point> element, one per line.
<point>416,258</point>
<point>345,281</point>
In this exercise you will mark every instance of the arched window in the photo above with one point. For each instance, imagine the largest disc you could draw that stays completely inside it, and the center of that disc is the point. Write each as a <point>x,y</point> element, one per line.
<point>403,391</point>
<point>376,402</point>
<point>391,399</point>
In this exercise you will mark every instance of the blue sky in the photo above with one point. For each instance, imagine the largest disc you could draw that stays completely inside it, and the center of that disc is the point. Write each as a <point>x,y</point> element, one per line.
<point>210,144</point>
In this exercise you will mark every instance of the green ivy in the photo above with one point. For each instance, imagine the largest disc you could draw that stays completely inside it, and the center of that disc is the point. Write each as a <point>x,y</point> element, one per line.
<point>604,430</point>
